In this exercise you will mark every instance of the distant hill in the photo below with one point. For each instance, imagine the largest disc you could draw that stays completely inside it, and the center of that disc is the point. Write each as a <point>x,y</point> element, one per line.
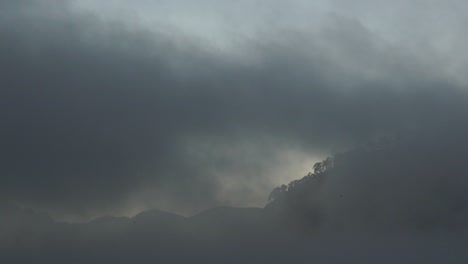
<point>399,186</point>
<point>399,203</point>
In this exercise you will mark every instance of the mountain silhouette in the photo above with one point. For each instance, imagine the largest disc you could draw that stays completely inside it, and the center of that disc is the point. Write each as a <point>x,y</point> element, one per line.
<point>397,203</point>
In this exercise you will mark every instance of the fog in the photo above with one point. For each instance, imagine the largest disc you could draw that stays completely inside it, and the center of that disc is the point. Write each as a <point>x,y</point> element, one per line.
<point>110,109</point>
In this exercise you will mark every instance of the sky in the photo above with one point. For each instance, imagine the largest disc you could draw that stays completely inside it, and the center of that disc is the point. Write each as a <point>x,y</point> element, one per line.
<point>115,107</point>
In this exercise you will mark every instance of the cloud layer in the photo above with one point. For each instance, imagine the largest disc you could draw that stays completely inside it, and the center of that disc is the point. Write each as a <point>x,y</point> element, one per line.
<point>102,116</point>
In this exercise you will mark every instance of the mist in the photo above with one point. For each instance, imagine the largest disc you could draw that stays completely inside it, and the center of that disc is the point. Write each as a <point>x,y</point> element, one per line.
<point>113,110</point>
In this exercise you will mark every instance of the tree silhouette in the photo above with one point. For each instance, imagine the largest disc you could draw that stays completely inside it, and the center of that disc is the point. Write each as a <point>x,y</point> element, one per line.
<point>318,167</point>
<point>277,192</point>
<point>392,184</point>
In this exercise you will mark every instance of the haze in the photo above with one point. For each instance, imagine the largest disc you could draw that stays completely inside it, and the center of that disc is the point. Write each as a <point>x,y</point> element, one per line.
<point>113,108</point>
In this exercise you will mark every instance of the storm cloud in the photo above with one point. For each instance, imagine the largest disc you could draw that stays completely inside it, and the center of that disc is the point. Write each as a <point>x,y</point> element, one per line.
<point>104,116</point>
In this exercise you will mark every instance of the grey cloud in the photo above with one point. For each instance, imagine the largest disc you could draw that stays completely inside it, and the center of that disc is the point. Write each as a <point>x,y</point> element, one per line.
<point>95,112</point>
<point>102,117</point>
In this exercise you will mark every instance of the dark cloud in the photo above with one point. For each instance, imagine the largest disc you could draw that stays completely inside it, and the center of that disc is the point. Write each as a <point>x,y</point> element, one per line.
<point>97,114</point>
